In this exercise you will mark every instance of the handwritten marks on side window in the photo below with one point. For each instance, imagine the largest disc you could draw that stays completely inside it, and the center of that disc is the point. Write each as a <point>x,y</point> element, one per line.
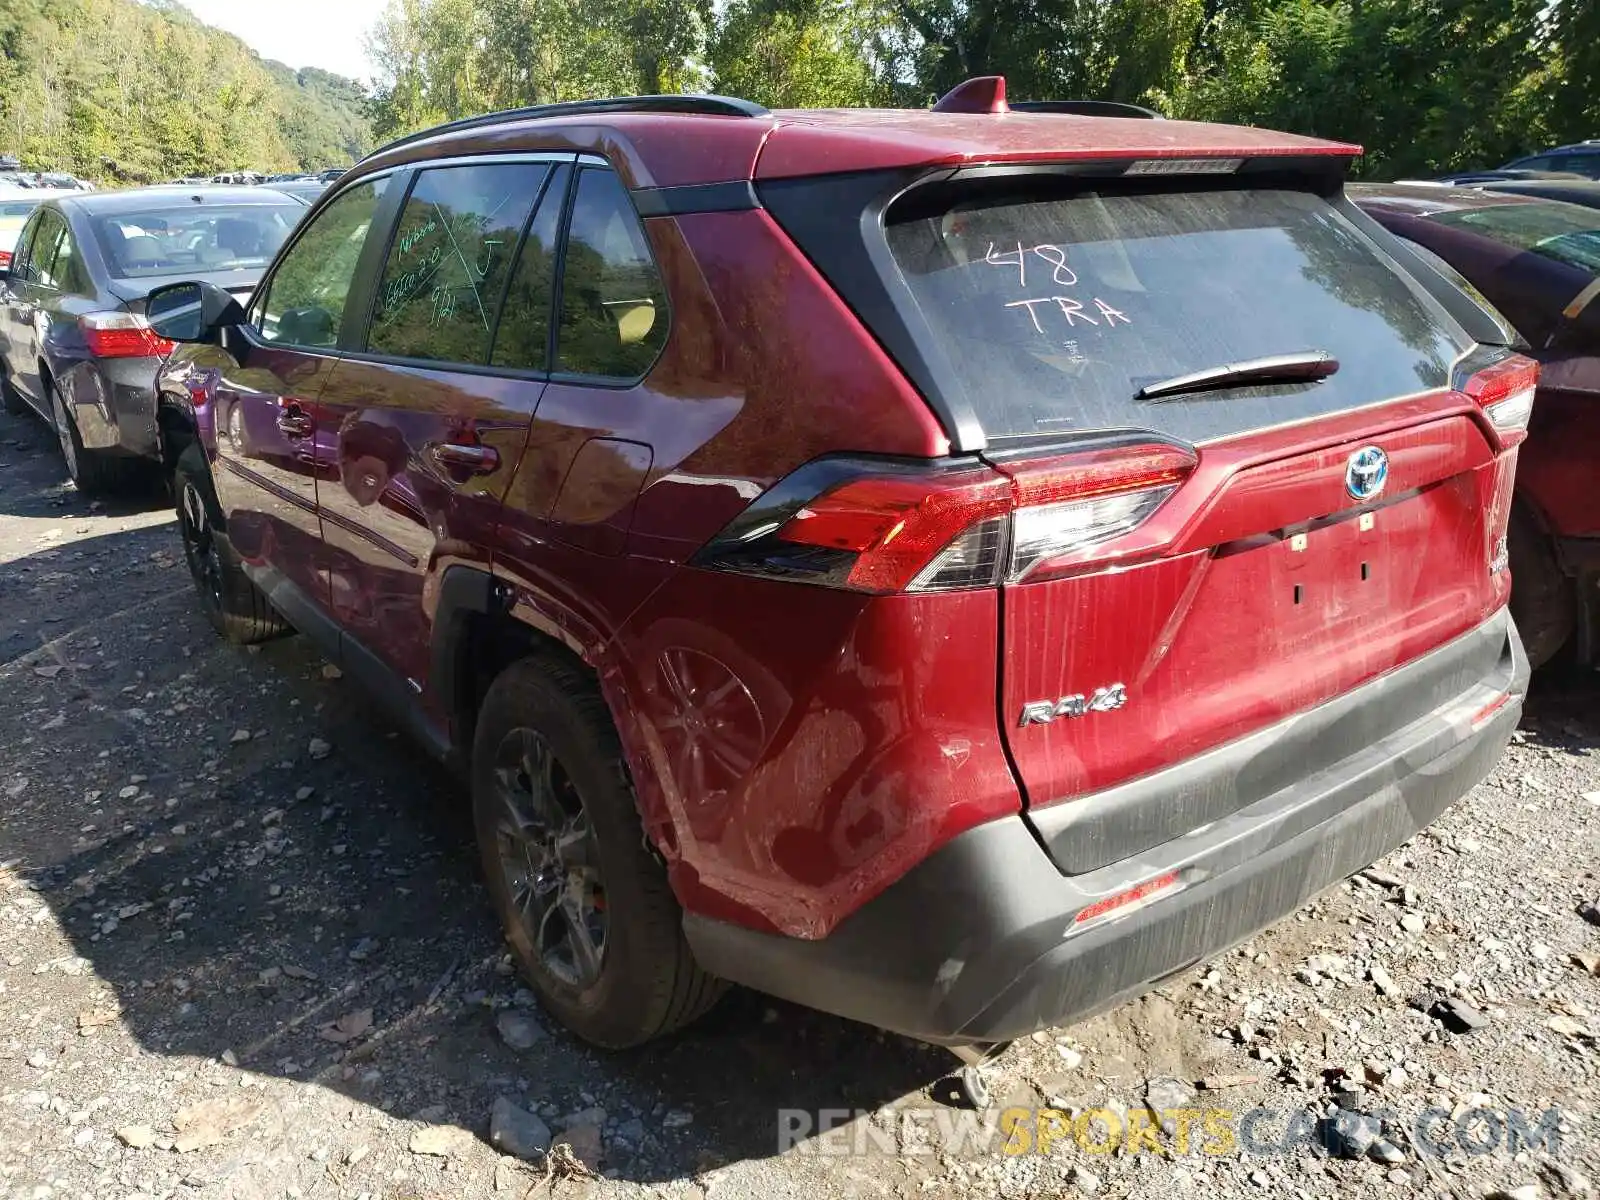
<point>422,253</point>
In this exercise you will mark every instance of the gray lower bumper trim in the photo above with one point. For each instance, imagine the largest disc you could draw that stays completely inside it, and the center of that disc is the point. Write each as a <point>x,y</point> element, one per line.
<point>976,944</point>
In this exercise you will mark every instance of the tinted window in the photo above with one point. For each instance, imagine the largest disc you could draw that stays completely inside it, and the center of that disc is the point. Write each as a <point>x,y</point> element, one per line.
<point>1050,309</point>
<point>304,304</point>
<point>448,261</point>
<point>176,240</point>
<point>613,307</point>
<point>22,258</point>
<point>64,271</point>
<point>1568,233</point>
<point>42,254</point>
<point>523,339</point>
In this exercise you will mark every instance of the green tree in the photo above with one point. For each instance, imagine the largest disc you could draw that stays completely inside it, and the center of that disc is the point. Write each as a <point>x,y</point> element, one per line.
<point>108,89</point>
<point>817,54</point>
<point>440,59</point>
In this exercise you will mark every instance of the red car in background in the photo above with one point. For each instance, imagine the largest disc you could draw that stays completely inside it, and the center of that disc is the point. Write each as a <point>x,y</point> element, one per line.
<point>1538,261</point>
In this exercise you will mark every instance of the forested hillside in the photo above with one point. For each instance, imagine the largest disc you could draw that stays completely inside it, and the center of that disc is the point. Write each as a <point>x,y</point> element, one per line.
<point>116,90</point>
<point>1426,85</point>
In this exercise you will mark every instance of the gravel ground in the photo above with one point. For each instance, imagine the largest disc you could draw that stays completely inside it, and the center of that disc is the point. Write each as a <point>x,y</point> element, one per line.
<point>243,953</point>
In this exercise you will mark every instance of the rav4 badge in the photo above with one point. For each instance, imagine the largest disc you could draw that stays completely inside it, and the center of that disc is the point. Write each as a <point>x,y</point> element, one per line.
<point>1106,699</point>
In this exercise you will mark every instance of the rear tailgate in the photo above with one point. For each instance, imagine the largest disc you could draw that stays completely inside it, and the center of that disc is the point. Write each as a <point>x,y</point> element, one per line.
<point>1318,533</point>
<point>1265,584</point>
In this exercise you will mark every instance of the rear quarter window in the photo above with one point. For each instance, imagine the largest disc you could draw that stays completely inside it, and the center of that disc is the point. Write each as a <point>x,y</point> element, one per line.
<point>1053,306</point>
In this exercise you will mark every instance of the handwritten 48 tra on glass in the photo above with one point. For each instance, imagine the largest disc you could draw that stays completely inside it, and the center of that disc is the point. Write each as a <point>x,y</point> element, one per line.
<point>1055,308</point>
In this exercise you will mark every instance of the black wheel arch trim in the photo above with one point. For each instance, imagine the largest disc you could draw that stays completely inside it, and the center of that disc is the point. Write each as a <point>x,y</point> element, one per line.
<point>465,593</point>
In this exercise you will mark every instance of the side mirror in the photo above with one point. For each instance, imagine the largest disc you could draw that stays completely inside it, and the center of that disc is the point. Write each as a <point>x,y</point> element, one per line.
<point>191,312</point>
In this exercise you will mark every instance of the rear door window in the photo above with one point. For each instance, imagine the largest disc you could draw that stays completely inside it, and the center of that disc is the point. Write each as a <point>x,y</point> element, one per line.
<point>522,339</point>
<point>449,259</point>
<point>42,254</point>
<point>22,259</point>
<point>1051,307</point>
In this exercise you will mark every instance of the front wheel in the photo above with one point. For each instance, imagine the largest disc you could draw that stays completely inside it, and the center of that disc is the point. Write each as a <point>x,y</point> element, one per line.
<point>234,606</point>
<point>585,905</point>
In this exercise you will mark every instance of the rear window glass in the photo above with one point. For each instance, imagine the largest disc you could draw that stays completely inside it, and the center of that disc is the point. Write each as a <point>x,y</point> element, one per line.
<point>198,238</point>
<point>1568,233</point>
<point>1053,310</point>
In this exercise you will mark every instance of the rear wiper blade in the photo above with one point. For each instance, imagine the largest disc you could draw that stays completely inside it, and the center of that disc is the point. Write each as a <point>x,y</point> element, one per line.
<point>1301,367</point>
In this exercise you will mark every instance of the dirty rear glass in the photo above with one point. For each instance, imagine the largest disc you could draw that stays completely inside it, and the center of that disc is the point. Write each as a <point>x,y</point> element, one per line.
<point>1053,309</point>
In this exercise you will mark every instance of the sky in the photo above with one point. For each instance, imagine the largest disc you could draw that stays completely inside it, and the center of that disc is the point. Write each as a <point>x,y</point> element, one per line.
<point>330,34</point>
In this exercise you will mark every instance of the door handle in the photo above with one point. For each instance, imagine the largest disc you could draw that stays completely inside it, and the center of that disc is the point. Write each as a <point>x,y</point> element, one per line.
<point>476,460</point>
<point>295,423</point>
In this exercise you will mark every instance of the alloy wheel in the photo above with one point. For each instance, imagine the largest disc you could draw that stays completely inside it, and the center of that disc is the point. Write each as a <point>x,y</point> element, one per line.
<point>200,544</point>
<point>549,860</point>
<point>69,449</point>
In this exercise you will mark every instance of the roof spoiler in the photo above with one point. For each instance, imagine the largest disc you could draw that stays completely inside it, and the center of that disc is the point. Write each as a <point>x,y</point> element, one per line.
<point>987,94</point>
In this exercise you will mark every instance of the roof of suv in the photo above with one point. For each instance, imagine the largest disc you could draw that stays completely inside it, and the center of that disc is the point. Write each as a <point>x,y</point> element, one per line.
<point>679,141</point>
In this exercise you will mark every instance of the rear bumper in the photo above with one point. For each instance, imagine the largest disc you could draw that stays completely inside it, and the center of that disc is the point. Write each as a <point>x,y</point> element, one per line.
<point>114,404</point>
<point>977,943</point>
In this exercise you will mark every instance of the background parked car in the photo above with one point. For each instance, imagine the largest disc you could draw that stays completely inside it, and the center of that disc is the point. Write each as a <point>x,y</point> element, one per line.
<point>302,189</point>
<point>1537,261</point>
<point>1468,178</point>
<point>1579,158</point>
<point>74,344</point>
<point>15,208</point>
<point>1573,191</point>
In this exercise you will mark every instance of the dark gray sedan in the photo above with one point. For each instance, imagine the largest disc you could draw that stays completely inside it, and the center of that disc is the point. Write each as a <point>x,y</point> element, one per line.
<point>74,344</point>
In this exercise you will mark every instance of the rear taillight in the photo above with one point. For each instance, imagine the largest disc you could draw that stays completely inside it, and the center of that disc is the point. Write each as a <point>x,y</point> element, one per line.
<point>907,533</point>
<point>867,527</point>
<point>5,260</point>
<point>1067,504</point>
<point>1505,390</point>
<point>122,335</point>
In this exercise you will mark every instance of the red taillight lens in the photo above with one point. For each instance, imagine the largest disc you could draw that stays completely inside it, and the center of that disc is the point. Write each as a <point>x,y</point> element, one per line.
<point>896,526</point>
<point>122,335</point>
<point>923,531</point>
<point>1505,392</point>
<point>5,260</point>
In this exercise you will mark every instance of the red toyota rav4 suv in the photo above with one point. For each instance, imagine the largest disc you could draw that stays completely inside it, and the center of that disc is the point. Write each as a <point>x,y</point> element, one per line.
<point>951,568</point>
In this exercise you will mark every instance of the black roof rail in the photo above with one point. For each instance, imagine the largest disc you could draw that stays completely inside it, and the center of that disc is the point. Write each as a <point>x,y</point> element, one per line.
<point>707,105</point>
<point>1087,108</point>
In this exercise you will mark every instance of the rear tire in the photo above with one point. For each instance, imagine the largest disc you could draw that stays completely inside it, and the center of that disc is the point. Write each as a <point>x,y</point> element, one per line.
<point>93,472</point>
<point>234,606</point>
<point>1544,602</point>
<point>585,905</point>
